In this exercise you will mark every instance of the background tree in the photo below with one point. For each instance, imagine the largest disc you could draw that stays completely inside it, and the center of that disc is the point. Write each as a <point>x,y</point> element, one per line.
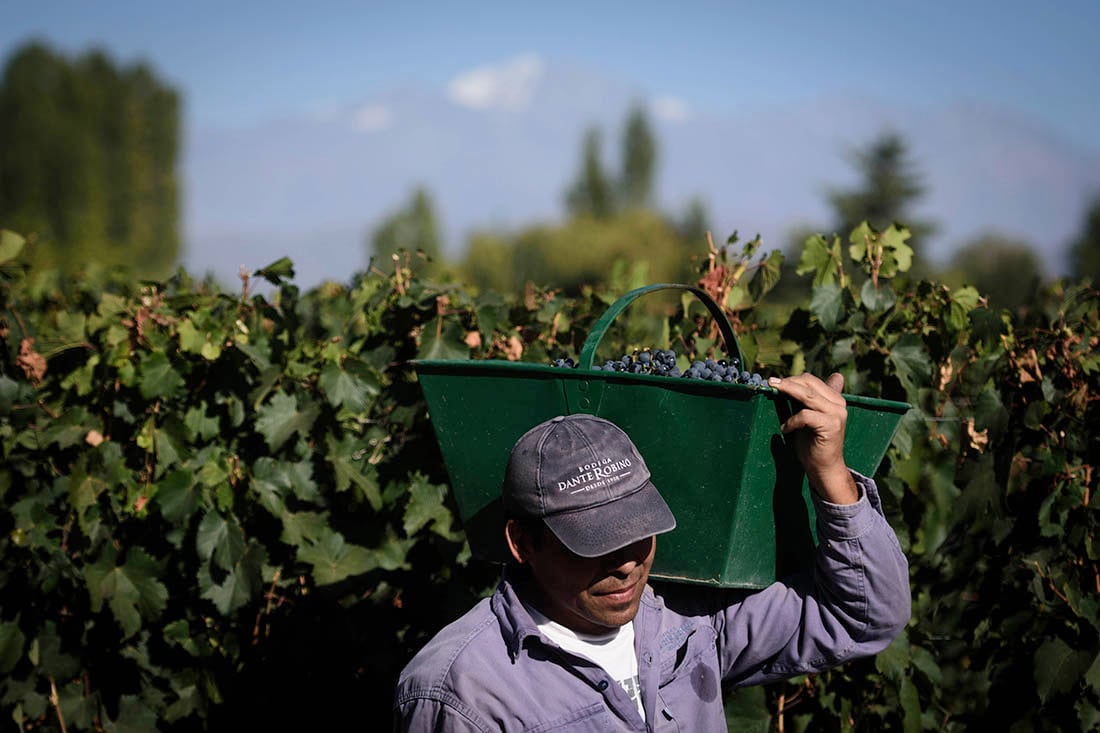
<point>694,224</point>
<point>579,252</point>
<point>412,228</point>
<point>888,187</point>
<point>591,194</point>
<point>639,159</point>
<point>1004,269</point>
<point>488,262</point>
<point>88,154</point>
<point>1085,252</point>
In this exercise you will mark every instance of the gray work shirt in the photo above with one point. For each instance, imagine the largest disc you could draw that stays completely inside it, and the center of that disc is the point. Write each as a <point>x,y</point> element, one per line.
<point>491,670</point>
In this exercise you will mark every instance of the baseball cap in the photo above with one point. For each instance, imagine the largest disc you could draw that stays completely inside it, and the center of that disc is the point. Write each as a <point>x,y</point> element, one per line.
<point>584,477</point>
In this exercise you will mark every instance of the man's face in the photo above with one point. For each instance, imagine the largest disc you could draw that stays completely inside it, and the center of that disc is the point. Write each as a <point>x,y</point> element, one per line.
<point>591,595</point>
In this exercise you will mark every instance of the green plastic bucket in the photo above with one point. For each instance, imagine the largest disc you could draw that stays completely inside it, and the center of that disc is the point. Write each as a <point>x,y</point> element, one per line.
<point>715,451</point>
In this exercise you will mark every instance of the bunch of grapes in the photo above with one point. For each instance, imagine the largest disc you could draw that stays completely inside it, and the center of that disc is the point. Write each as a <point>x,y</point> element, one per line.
<point>657,361</point>
<point>723,371</point>
<point>662,362</point>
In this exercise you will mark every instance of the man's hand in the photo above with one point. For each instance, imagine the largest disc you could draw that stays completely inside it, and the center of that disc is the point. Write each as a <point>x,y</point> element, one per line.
<point>819,434</point>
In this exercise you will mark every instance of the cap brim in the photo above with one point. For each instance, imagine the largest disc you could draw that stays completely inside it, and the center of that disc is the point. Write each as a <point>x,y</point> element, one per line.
<point>596,531</point>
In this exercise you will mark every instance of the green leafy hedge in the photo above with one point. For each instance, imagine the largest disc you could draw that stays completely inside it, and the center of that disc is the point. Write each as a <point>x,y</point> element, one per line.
<point>229,508</point>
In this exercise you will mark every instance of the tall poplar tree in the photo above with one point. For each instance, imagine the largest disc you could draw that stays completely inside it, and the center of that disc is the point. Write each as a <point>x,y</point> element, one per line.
<point>591,194</point>
<point>639,160</point>
<point>888,187</point>
<point>88,155</point>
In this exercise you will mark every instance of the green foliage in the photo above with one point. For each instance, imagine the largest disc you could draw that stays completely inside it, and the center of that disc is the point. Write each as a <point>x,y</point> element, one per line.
<point>990,483</point>
<point>218,503</point>
<point>577,253</point>
<point>192,479</point>
<point>88,162</point>
<point>1085,250</point>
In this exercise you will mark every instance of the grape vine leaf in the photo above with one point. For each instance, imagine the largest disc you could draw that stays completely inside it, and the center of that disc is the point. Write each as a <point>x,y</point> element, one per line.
<point>134,716</point>
<point>350,466</point>
<point>79,708</point>
<point>860,241</point>
<point>11,645</point>
<point>926,663</point>
<point>746,710</point>
<point>189,701</point>
<point>191,339</point>
<point>1093,675</point>
<point>279,270</point>
<point>46,653</point>
<point>911,363</point>
<point>158,378</point>
<point>910,705</point>
<point>218,539</point>
<point>175,496</point>
<point>240,585</point>
<point>877,298</point>
<point>491,309</point>
<point>334,559</point>
<point>270,488</point>
<point>344,389</point>
<point>827,304</point>
<point>302,528</point>
<point>767,275</point>
<point>426,507</point>
<point>1058,667</point>
<point>737,298</point>
<point>888,247</point>
<point>11,244</point>
<point>893,661</point>
<point>280,418</point>
<point>199,425</point>
<point>276,478</point>
<point>300,476</point>
<point>898,255</point>
<point>70,328</point>
<point>822,258</point>
<point>131,590</point>
<point>962,302</point>
<point>448,343</point>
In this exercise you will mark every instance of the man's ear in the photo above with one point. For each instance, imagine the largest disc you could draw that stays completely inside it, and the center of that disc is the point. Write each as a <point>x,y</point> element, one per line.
<point>519,542</point>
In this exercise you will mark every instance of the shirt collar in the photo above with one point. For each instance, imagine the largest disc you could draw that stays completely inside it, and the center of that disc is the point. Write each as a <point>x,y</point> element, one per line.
<point>515,623</point>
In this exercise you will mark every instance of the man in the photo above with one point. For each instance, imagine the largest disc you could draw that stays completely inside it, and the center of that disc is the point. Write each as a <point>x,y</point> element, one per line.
<point>575,639</point>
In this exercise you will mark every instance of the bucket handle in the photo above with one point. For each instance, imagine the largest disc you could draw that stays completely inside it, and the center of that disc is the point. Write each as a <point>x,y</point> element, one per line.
<point>588,351</point>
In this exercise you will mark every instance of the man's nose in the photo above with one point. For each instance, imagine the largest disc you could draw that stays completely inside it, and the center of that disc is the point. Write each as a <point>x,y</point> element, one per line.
<point>625,559</point>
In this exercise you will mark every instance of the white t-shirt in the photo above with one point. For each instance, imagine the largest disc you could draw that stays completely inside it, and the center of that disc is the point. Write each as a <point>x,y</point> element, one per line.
<point>614,651</point>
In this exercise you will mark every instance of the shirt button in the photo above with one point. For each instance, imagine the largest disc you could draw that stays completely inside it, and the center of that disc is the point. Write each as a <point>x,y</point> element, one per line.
<point>602,685</point>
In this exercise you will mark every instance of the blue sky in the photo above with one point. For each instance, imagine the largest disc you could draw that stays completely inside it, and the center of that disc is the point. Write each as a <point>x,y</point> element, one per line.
<point>304,124</point>
<point>242,62</point>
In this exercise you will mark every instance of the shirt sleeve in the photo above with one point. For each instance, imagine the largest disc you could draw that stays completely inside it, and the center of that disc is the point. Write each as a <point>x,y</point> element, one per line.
<point>853,603</point>
<point>427,715</point>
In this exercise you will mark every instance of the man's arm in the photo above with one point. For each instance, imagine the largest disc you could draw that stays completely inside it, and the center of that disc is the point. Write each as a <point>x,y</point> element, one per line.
<point>856,600</point>
<point>427,715</point>
<point>852,604</point>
